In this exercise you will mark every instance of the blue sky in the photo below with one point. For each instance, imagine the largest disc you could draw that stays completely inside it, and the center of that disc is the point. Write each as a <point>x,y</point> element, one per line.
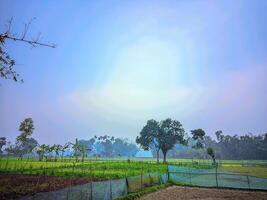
<point>120,63</point>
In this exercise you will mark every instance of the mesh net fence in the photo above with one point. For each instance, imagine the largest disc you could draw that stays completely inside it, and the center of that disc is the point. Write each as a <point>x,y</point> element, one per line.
<point>102,190</point>
<point>111,189</point>
<point>212,178</point>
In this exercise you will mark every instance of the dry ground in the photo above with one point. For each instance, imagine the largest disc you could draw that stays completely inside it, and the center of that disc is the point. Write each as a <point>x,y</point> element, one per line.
<point>13,186</point>
<point>190,193</point>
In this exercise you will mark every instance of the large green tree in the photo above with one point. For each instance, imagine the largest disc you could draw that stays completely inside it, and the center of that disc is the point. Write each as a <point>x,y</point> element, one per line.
<point>171,132</point>
<point>24,142</point>
<point>149,137</point>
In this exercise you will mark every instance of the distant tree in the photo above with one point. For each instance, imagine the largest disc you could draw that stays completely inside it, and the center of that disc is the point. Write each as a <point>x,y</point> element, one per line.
<point>26,127</point>
<point>63,149</point>
<point>219,135</point>
<point>77,149</point>
<point>171,132</point>
<point>41,150</point>
<point>56,148</point>
<point>131,149</point>
<point>104,146</point>
<point>84,151</point>
<point>49,151</point>
<point>2,143</point>
<point>198,136</point>
<point>211,153</point>
<point>150,136</point>
<point>24,143</point>
<point>12,149</point>
<point>121,147</point>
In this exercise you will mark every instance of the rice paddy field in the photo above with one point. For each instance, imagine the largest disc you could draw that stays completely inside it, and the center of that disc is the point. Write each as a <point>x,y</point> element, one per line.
<point>108,169</point>
<point>120,168</point>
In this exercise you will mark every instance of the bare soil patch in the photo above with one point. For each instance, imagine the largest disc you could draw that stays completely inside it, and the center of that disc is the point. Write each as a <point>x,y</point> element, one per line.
<point>13,186</point>
<point>193,193</point>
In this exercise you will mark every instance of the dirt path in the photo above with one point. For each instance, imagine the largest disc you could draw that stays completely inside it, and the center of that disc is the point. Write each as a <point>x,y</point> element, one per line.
<point>190,193</point>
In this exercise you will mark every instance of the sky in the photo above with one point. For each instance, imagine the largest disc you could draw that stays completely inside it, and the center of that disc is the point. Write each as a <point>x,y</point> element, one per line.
<point>119,63</point>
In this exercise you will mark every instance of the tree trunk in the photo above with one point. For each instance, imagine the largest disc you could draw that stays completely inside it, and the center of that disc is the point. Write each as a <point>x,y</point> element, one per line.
<point>164,156</point>
<point>214,161</point>
<point>158,156</point>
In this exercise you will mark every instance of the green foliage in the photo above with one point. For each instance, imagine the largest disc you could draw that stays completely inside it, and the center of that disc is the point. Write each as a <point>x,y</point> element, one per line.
<point>24,143</point>
<point>163,135</point>
<point>171,133</point>
<point>241,147</point>
<point>26,127</point>
<point>149,137</point>
<point>2,143</point>
<point>211,153</point>
<point>108,146</point>
<point>89,168</point>
<point>198,137</point>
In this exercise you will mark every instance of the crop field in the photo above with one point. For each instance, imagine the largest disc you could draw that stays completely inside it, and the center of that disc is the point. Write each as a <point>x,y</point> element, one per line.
<point>108,169</point>
<point>33,176</point>
<point>120,168</point>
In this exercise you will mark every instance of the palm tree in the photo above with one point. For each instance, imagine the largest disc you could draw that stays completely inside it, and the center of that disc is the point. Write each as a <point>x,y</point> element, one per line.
<point>49,150</point>
<point>41,150</point>
<point>63,149</point>
<point>77,149</point>
<point>84,151</point>
<point>57,148</point>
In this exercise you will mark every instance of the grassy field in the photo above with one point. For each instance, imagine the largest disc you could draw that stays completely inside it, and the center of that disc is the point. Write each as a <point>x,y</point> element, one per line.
<point>119,168</point>
<point>257,171</point>
<point>90,168</point>
<point>33,176</point>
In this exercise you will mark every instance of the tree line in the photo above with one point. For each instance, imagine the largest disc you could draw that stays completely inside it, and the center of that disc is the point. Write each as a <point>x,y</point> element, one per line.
<point>97,146</point>
<point>168,137</point>
<point>161,137</point>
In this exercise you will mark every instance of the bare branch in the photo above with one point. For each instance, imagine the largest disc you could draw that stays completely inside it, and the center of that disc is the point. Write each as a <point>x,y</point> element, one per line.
<point>31,42</point>
<point>6,63</point>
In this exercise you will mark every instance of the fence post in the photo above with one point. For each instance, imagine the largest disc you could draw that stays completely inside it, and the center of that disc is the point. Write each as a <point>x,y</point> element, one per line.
<point>248,182</point>
<point>110,188</point>
<point>91,191</point>
<point>151,180</point>
<point>142,178</point>
<point>168,173</point>
<point>68,192</point>
<point>190,177</point>
<point>159,179</point>
<point>127,185</point>
<point>216,175</point>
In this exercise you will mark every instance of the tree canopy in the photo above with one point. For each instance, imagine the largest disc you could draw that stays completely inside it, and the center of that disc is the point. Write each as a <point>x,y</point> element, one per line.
<point>161,135</point>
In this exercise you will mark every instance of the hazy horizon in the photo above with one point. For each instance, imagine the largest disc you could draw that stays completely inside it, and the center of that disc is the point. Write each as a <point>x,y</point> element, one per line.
<point>119,63</point>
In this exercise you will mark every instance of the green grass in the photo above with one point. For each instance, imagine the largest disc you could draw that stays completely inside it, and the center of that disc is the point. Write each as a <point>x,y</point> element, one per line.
<point>257,171</point>
<point>90,168</point>
<point>119,168</point>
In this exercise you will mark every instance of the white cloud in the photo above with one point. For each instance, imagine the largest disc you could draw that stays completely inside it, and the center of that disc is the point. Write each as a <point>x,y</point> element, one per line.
<point>234,102</point>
